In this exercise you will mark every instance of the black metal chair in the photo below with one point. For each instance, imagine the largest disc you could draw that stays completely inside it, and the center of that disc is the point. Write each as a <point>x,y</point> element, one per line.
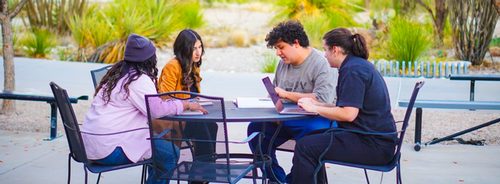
<point>395,162</point>
<point>75,141</point>
<point>97,74</point>
<point>218,166</point>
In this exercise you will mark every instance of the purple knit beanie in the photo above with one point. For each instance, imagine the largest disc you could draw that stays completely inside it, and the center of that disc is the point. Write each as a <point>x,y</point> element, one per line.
<point>138,48</point>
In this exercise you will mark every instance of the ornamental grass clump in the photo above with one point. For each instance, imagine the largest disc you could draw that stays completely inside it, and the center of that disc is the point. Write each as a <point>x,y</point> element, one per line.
<point>269,63</point>
<point>192,17</point>
<point>38,43</point>
<point>106,29</point>
<point>406,40</point>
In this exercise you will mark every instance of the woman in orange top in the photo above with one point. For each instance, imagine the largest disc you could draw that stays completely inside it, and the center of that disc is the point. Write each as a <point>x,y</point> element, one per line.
<point>182,73</point>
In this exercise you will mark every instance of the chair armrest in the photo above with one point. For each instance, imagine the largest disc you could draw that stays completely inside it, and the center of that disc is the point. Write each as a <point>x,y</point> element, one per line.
<point>251,137</point>
<point>163,133</point>
<point>126,131</point>
<point>363,132</point>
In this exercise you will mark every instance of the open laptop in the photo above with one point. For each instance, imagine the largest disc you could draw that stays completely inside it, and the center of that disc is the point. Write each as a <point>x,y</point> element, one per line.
<point>277,102</point>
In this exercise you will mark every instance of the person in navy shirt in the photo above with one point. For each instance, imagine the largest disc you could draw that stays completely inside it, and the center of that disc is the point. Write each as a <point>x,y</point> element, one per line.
<point>362,104</point>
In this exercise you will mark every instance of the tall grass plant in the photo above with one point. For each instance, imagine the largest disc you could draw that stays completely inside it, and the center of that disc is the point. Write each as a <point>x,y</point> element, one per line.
<point>406,40</point>
<point>297,9</point>
<point>38,43</point>
<point>107,28</point>
<point>316,27</point>
<point>192,16</point>
<point>269,63</point>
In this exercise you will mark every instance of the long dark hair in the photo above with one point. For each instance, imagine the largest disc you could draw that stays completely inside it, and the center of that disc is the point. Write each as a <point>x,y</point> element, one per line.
<point>183,51</point>
<point>130,70</point>
<point>343,38</point>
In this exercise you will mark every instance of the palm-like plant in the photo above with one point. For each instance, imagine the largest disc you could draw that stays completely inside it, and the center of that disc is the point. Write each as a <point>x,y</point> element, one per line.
<point>110,27</point>
<point>38,43</point>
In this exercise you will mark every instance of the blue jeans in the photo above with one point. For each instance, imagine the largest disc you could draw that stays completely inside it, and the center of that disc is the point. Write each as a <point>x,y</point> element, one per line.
<point>290,129</point>
<point>166,159</point>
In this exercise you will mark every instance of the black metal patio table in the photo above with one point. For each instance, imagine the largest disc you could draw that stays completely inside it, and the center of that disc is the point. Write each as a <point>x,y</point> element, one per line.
<point>235,114</point>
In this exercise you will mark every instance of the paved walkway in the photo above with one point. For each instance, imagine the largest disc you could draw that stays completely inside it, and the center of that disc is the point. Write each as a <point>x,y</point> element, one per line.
<point>26,158</point>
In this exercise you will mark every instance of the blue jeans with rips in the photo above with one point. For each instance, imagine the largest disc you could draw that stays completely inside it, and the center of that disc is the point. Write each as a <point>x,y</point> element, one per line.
<point>167,156</point>
<point>291,129</point>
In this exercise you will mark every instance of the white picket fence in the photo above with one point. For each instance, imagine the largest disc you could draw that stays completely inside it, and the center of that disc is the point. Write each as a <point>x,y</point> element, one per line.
<point>425,69</point>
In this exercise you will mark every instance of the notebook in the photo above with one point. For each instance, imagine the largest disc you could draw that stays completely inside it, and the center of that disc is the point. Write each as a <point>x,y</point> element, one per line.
<point>277,102</point>
<point>248,102</point>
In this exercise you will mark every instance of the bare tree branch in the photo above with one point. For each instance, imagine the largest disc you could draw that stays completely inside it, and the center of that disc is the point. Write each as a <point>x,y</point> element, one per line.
<point>5,7</point>
<point>16,10</point>
<point>497,5</point>
<point>427,8</point>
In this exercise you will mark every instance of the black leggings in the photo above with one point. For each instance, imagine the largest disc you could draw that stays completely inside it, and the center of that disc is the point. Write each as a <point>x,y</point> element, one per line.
<point>202,131</point>
<point>345,146</point>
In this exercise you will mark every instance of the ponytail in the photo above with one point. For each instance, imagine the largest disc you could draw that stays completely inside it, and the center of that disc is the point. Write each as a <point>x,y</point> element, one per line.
<point>350,43</point>
<point>359,46</point>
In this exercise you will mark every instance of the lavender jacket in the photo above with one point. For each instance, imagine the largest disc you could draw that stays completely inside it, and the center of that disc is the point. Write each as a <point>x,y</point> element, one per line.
<point>122,114</point>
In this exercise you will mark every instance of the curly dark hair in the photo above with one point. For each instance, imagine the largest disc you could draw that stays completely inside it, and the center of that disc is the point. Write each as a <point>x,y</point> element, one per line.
<point>130,70</point>
<point>287,32</point>
<point>183,51</point>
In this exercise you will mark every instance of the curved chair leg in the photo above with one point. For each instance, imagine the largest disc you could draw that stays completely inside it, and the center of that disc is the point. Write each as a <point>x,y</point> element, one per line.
<point>143,177</point>
<point>398,175</point>
<point>86,174</point>
<point>69,168</point>
<point>316,172</point>
<point>366,176</point>
<point>254,175</point>
<point>98,178</point>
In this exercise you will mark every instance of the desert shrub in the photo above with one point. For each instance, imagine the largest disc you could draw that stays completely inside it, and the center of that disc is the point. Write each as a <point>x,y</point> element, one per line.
<point>316,27</point>
<point>83,29</point>
<point>406,40</point>
<point>495,42</point>
<point>238,38</point>
<point>38,43</point>
<point>106,29</point>
<point>191,15</point>
<point>67,53</point>
<point>52,14</point>
<point>268,63</point>
<point>295,9</point>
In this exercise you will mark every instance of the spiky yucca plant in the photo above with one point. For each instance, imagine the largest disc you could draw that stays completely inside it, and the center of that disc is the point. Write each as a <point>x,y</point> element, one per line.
<point>111,26</point>
<point>269,63</point>
<point>38,43</point>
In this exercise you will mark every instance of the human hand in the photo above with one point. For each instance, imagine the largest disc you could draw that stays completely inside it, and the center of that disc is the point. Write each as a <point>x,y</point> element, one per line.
<point>281,92</point>
<point>307,104</point>
<point>193,106</point>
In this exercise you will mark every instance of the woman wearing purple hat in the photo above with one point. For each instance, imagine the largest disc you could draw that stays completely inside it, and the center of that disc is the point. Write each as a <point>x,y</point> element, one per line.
<point>119,105</point>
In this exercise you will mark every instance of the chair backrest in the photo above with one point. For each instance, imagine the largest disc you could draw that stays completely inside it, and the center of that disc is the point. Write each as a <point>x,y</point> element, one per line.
<point>217,114</point>
<point>70,123</point>
<point>98,74</point>
<point>409,109</point>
